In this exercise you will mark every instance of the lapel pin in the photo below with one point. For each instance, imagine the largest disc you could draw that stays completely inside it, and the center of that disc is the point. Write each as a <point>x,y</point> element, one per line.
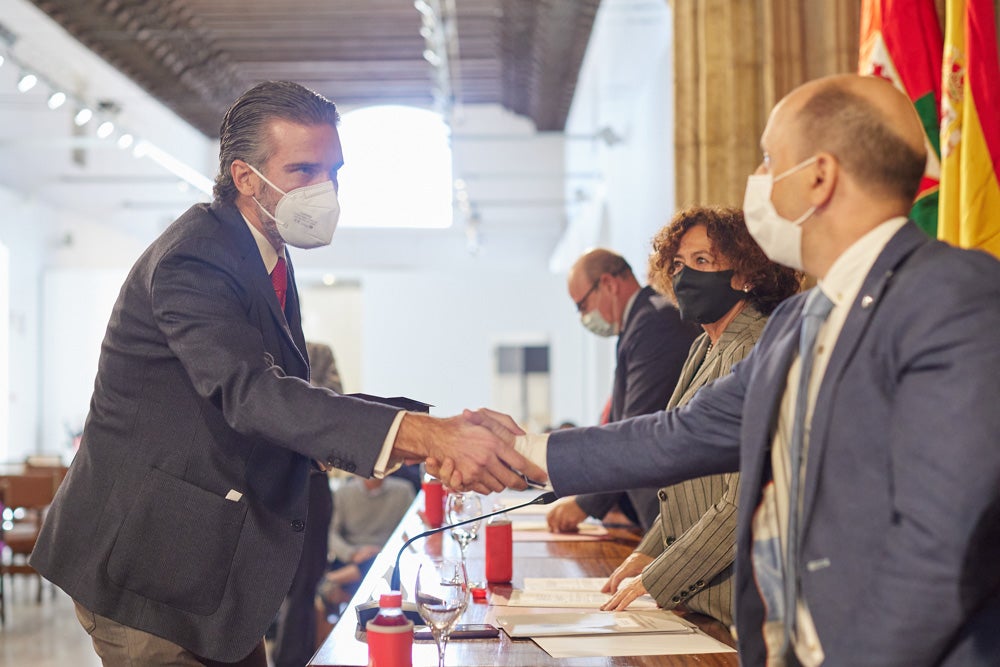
<point>867,300</point>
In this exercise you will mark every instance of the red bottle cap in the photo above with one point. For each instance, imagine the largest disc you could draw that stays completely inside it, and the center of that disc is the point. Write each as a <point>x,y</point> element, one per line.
<point>391,599</point>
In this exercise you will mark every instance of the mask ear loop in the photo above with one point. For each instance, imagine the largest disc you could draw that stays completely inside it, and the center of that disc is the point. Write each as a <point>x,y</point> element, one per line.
<point>788,172</point>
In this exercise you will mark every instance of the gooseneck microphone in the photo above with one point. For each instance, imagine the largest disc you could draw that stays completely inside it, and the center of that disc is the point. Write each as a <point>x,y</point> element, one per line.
<point>543,499</point>
<point>367,610</point>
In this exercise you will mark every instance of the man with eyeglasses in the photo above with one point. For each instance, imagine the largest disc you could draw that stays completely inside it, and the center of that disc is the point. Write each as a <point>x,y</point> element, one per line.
<point>653,344</point>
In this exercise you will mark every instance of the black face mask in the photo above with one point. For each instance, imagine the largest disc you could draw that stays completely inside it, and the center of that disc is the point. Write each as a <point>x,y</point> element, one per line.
<point>705,296</point>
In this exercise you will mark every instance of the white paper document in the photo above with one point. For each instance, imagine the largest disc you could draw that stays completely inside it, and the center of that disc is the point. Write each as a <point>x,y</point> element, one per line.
<point>573,593</point>
<point>652,644</point>
<point>576,623</point>
<point>588,584</point>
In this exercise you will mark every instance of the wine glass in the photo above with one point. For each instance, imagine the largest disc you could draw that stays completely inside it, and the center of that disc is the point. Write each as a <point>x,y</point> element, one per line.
<point>442,594</point>
<point>463,506</point>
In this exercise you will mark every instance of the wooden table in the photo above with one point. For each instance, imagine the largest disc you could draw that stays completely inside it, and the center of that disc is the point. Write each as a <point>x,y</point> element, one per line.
<point>531,559</point>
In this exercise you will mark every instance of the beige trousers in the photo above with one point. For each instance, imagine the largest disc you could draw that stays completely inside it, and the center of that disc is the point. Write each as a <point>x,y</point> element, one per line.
<point>121,646</point>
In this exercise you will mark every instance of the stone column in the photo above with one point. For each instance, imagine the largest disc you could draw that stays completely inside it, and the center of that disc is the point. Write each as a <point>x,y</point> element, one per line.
<point>733,59</point>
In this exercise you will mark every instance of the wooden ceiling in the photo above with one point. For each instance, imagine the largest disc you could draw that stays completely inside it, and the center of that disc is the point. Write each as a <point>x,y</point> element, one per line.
<point>197,56</point>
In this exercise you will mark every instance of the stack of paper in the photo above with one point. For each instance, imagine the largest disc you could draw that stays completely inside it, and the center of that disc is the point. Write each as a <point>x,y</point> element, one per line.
<point>564,634</point>
<point>574,593</point>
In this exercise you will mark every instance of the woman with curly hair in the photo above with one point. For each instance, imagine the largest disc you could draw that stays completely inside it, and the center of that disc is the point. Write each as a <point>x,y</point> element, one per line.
<point>721,279</point>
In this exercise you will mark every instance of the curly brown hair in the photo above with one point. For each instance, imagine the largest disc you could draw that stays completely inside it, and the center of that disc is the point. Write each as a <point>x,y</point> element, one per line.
<point>771,283</point>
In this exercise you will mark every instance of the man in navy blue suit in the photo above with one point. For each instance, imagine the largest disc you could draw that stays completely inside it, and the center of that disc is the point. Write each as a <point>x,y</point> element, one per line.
<point>882,433</point>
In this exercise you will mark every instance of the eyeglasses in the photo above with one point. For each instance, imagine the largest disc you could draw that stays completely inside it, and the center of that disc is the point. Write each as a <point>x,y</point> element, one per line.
<point>583,302</point>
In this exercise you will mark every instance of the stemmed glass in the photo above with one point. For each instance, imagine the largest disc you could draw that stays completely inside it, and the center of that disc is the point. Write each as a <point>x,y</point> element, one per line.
<point>462,506</point>
<point>442,594</point>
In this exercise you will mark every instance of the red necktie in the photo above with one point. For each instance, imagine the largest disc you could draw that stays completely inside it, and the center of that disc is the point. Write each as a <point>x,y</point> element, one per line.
<point>279,278</point>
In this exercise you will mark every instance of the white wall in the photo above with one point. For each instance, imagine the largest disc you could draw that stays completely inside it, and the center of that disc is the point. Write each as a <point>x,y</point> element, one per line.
<point>431,336</point>
<point>619,194</point>
<point>22,228</point>
<point>622,193</point>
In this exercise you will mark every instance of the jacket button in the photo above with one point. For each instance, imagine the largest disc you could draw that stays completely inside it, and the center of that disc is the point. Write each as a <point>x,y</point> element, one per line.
<point>700,583</point>
<point>693,588</point>
<point>670,540</point>
<point>350,467</point>
<point>298,525</point>
<point>684,594</point>
<point>675,599</point>
<point>662,495</point>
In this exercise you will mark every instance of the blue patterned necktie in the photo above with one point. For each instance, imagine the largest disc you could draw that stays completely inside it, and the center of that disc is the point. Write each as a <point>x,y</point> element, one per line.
<point>815,312</point>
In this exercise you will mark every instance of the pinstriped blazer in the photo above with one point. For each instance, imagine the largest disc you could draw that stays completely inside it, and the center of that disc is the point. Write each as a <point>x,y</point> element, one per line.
<point>693,539</point>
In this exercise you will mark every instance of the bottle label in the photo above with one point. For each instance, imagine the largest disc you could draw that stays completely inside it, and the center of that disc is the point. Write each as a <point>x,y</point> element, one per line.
<point>390,645</point>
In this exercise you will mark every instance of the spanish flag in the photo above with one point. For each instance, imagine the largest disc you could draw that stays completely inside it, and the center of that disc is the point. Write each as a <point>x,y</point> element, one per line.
<point>970,127</point>
<point>901,41</point>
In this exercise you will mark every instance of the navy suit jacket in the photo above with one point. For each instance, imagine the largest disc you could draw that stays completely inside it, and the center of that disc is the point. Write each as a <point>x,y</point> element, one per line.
<point>184,510</point>
<point>901,513</point>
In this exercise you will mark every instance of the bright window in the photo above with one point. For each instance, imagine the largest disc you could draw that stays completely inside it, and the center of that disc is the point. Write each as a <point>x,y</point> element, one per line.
<point>397,168</point>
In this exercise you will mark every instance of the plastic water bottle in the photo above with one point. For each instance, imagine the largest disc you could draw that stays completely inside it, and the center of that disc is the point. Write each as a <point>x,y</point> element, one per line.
<point>390,634</point>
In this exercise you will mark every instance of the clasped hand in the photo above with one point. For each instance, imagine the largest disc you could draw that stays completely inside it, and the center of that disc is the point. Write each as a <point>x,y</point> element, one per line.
<point>473,451</point>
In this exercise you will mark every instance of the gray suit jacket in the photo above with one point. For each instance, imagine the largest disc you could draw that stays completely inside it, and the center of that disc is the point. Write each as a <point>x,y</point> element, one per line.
<point>901,513</point>
<point>693,539</point>
<point>183,513</point>
<point>652,347</point>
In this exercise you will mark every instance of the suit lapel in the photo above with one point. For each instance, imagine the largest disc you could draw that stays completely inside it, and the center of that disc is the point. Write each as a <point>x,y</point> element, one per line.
<point>256,274</point>
<point>869,298</point>
<point>293,326</point>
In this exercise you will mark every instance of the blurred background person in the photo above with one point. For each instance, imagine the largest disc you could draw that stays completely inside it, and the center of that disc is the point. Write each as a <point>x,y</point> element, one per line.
<point>652,345</point>
<point>721,280</point>
<point>366,511</point>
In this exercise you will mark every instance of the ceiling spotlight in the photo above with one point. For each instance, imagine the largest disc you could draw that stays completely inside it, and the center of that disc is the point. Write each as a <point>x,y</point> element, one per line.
<point>105,129</point>
<point>1,60</point>
<point>433,58</point>
<point>83,117</point>
<point>125,141</point>
<point>424,8</point>
<point>56,100</point>
<point>27,82</point>
<point>329,279</point>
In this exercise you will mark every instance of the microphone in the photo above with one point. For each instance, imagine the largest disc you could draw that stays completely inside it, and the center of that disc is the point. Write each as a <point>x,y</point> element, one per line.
<point>543,499</point>
<point>368,610</point>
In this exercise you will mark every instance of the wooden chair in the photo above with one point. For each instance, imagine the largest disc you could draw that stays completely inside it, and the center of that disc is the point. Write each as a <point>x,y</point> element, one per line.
<point>26,496</point>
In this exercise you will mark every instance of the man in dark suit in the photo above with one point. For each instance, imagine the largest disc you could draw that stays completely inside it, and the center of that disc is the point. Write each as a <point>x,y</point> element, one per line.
<point>890,462</point>
<point>180,524</point>
<point>653,344</point>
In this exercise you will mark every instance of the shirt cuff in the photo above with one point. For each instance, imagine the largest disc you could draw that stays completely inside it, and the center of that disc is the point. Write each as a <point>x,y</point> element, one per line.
<point>384,465</point>
<point>535,448</point>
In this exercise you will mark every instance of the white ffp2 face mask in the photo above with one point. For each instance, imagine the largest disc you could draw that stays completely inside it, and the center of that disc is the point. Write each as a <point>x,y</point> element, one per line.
<point>306,217</point>
<point>779,238</point>
<point>597,325</point>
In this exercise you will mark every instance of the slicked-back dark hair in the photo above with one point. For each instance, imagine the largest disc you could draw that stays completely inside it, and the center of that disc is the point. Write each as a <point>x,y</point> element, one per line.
<point>243,134</point>
<point>860,137</point>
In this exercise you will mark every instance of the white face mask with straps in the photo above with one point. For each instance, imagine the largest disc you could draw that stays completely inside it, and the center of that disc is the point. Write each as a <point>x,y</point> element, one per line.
<point>778,237</point>
<point>306,217</point>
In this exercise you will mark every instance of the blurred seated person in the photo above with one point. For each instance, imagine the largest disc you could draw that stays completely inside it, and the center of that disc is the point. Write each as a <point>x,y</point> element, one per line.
<point>366,511</point>
<point>721,279</point>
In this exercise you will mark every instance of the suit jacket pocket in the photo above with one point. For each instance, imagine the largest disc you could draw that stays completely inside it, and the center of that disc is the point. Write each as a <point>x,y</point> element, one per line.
<point>177,543</point>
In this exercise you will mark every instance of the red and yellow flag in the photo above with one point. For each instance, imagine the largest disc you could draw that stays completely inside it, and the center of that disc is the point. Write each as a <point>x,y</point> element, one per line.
<point>970,127</point>
<point>901,41</point>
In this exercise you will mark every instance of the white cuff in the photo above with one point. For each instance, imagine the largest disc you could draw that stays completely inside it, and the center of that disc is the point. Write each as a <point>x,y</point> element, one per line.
<point>384,465</point>
<point>535,448</point>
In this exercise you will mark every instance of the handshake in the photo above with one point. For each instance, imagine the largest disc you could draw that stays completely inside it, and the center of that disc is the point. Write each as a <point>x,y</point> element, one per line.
<point>473,451</point>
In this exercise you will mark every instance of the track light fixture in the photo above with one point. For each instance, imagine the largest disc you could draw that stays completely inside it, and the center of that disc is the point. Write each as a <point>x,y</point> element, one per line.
<point>56,100</point>
<point>26,82</point>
